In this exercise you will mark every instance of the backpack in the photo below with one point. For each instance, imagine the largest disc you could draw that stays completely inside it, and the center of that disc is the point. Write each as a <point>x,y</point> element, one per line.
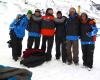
<point>33,57</point>
<point>11,73</point>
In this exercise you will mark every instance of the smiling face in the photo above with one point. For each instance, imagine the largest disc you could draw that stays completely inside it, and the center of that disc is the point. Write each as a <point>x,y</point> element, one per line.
<point>84,16</point>
<point>29,15</point>
<point>72,11</point>
<point>59,15</point>
<point>37,13</point>
<point>50,12</point>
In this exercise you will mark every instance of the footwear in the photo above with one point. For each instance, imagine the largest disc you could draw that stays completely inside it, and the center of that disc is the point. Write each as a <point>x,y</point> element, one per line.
<point>48,59</point>
<point>76,64</point>
<point>89,69</point>
<point>57,58</point>
<point>69,63</point>
<point>84,66</point>
<point>15,59</point>
<point>64,62</point>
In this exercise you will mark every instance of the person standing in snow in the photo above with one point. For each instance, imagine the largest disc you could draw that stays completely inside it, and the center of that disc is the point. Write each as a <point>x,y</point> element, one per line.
<point>48,30</point>
<point>72,36</point>
<point>34,30</point>
<point>88,33</point>
<point>60,36</point>
<point>17,29</point>
<point>11,28</point>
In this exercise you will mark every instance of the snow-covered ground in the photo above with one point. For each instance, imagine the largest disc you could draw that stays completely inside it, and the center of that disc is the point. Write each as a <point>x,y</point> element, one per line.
<point>54,70</point>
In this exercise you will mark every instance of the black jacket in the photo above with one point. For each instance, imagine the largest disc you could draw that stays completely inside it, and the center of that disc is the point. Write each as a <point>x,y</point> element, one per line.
<point>86,28</point>
<point>72,26</point>
<point>34,24</point>
<point>60,27</point>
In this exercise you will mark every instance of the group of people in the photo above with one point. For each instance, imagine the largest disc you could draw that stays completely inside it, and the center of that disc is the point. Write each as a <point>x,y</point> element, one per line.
<point>66,30</point>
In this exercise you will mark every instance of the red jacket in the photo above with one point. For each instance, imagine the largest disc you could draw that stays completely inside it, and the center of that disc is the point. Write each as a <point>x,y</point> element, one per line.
<point>48,26</point>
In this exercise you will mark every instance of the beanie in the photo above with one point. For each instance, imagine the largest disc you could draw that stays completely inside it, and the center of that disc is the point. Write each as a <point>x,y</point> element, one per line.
<point>59,12</point>
<point>29,12</point>
<point>38,10</point>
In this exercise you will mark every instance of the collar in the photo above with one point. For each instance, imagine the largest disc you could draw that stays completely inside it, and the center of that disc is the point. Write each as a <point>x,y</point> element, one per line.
<point>74,16</point>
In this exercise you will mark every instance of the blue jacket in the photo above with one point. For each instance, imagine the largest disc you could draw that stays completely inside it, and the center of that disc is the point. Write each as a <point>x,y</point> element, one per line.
<point>12,25</point>
<point>72,27</point>
<point>19,30</point>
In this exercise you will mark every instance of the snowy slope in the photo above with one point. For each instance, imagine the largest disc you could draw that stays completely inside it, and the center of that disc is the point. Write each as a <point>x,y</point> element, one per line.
<point>54,70</point>
<point>64,5</point>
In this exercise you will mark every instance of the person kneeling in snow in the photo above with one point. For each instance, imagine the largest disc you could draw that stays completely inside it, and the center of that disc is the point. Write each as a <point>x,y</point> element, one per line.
<point>11,73</point>
<point>88,33</point>
<point>17,32</point>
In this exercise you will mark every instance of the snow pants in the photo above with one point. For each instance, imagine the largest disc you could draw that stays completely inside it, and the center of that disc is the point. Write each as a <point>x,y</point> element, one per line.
<point>72,47</point>
<point>49,40</point>
<point>61,48</point>
<point>88,51</point>
<point>16,45</point>
<point>30,41</point>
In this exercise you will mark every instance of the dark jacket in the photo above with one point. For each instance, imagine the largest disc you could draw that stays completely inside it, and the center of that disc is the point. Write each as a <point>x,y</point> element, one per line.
<point>72,25</point>
<point>34,25</point>
<point>88,31</point>
<point>60,27</point>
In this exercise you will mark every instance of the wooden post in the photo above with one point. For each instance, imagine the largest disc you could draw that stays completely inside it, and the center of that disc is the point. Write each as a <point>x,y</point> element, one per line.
<point>79,10</point>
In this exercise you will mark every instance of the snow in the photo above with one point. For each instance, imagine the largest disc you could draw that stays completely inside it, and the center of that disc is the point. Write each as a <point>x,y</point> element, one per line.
<point>54,70</point>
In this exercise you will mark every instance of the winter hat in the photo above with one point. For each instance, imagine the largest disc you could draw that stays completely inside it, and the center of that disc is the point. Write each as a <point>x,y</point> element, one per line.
<point>19,15</point>
<point>38,10</point>
<point>59,12</point>
<point>29,12</point>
